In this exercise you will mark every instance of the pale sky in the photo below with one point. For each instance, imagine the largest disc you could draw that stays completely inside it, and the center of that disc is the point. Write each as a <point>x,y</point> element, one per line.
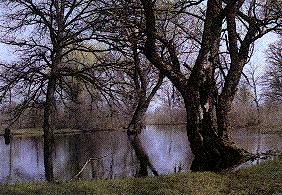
<point>5,54</point>
<point>261,46</point>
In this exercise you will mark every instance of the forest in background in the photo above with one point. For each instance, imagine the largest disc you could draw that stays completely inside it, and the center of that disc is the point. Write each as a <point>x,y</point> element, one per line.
<point>256,104</point>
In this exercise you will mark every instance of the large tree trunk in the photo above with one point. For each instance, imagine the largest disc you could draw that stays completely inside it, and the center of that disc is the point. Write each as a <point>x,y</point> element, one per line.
<point>211,151</point>
<point>48,130</point>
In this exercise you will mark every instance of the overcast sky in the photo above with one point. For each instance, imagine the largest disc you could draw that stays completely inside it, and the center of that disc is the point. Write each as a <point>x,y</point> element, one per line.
<point>261,46</point>
<point>5,55</point>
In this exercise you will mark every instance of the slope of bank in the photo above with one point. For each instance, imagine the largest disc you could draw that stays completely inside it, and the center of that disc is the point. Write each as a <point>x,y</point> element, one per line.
<point>265,178</point>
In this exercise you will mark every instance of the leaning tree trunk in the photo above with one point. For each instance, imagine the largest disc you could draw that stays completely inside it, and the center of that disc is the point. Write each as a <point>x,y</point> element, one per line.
<point>48,130</point>
<point>136,124</point>
<point>134,129</point>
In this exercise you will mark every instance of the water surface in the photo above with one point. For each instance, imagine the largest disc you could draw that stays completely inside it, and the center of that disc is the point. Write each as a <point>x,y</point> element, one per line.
<point>167,147</point>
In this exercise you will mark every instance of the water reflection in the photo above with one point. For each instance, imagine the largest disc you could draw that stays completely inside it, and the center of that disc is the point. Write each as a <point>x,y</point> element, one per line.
<point>255,142</point>
<point>167,147</point>
<point>22,160</point>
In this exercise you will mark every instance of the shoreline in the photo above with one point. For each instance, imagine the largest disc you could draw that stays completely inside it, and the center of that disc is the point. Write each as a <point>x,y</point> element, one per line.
<point>275,129</point>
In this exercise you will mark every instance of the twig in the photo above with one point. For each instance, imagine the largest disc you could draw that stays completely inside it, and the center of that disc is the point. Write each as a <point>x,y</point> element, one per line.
<point>84,166</point>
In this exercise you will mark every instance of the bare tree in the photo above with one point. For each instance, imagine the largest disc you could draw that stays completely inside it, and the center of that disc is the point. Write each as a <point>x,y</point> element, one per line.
<point>144,97</point>
<point>134,80</point>
<point>208,141</point>
<point>273,75</point>
<point>255,82</point>
<point>44,33</point>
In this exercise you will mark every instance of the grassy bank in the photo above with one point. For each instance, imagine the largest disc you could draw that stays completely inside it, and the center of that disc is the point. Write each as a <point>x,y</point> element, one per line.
<point>265,178</point>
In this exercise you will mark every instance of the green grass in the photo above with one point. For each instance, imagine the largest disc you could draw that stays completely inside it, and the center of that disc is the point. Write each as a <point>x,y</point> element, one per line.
<point>265,178</point>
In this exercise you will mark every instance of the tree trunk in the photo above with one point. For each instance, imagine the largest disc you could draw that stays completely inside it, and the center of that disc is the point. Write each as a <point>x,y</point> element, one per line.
<point>222,113</point>
<point>136,124</point>
<point>48,130</point>
<point>142,157</point>
<point>211,151</point>
<point>134,129</point>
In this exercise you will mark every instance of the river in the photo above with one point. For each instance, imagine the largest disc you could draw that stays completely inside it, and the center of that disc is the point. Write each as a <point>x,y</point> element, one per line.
<point>167,147</point>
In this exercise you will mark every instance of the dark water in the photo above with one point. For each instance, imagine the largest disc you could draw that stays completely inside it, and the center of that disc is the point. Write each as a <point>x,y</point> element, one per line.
<point>167,147</point>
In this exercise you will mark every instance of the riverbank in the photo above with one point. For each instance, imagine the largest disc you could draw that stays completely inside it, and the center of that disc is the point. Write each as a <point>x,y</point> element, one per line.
<point>39,131</point>
<point>274,129</point>
<point>259,129</point>
<point>265,178</point>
